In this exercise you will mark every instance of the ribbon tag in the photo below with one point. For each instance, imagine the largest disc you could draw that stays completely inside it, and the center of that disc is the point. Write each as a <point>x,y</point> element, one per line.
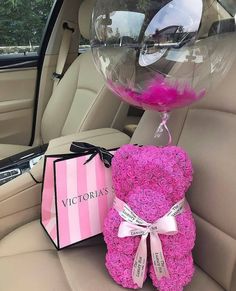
<point>178,208</point>
<point>158,258</point>
<point>140,262</point>
<point>136,226</point>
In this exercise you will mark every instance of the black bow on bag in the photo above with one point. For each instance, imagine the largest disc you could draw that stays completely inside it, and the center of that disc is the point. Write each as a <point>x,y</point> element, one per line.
<point>87,149</point>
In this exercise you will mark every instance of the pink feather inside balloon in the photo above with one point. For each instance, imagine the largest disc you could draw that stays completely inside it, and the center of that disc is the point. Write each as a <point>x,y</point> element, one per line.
<point>159,95</point>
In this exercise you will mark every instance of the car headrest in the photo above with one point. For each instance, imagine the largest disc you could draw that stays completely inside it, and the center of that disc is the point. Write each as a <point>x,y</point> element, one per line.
<point>85,13</point>
<point>222,26</point>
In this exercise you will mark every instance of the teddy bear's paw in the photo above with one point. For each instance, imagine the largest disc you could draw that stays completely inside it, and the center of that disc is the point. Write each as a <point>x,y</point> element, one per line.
<point>119,267</point>
<point>182,243</point>
<point>180,271</point>
<point>126,245</point>
<point>111,224</point>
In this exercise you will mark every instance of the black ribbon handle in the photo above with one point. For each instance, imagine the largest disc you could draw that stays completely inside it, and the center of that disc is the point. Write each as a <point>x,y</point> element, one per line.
<point>87,149</point>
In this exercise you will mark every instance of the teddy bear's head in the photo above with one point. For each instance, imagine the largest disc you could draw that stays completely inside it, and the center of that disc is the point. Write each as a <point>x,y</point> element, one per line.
<point>166,171</point>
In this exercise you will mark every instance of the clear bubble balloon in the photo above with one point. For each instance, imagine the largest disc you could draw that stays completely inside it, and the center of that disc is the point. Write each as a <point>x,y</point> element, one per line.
<point>159,54</point>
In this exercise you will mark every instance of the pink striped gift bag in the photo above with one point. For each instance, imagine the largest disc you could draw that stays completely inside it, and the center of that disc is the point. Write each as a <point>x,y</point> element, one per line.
<point>77,193</point>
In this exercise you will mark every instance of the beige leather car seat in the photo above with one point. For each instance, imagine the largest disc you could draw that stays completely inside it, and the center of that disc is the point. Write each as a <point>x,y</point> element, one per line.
<point>29,261</point>
<point>81,101</point>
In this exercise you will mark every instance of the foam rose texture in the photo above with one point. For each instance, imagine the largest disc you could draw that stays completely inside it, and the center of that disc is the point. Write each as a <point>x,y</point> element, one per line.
<point>151,180</point>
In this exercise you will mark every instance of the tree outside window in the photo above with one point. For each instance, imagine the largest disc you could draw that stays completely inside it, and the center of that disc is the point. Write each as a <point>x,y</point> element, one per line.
<point>22,23</point>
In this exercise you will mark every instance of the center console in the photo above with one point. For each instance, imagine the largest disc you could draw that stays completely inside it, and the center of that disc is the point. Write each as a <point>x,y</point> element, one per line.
<point>18,164</point>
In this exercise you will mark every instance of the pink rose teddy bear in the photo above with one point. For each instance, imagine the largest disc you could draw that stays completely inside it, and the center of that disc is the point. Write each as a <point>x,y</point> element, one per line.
<point>151,180</point>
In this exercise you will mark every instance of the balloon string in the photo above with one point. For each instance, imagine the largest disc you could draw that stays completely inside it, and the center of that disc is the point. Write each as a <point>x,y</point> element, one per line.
<point>163,125</point>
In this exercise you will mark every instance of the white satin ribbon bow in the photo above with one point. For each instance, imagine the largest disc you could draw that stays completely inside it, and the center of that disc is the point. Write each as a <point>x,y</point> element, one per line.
<point>136,226</point>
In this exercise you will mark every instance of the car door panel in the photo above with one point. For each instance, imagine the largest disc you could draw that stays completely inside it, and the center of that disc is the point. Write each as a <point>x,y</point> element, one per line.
<point>26,27</point>
<point>17,90</point>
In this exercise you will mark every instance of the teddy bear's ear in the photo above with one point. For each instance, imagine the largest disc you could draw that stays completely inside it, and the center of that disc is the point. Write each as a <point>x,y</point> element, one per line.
<point>122,170</point>
<point>182,166</point>
<point>185,165</point>
<point>122,157</point>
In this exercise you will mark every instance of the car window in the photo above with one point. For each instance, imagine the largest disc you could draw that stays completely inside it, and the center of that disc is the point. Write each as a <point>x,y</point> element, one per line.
<point>22,23</point>
<point>229,5</point>
<point>84,45</point>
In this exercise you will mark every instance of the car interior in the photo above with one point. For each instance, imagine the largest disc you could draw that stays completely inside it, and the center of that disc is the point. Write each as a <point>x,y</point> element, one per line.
<point>79,107</point>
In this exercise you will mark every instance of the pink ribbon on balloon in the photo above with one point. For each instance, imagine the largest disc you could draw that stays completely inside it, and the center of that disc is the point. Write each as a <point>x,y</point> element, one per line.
<point>136,226</point>
<point>163,125</point>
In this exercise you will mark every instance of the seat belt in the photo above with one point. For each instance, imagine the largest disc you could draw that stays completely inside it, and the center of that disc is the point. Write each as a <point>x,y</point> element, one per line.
<point>63,53</point>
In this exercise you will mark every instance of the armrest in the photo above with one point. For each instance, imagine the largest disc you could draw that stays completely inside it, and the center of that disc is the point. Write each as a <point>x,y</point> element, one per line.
<point>106,137</point>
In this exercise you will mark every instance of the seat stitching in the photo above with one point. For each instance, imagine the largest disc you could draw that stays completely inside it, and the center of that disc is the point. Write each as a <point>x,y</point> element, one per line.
<point>209,276</point>
<point>57,252</point>
<point>232,274</point>
<point>87,89</point>
<point>27,252</point>
<point>212,224</point>
<point>17,194</point>
<point>32,184</point>
<point>182,127</point>
<point>212,109</point>
<point>96,95</point>
<point>67,279</point>
<point>94,136</point>
<point>96,100</point>
<point>46,251</point>
<point>75,63</point>
<point>203,109</point>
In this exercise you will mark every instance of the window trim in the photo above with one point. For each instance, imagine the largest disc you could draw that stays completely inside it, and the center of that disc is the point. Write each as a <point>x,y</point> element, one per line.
<point>52,18</point>
<point>35,61</point>
<point>21,62</point>
<point>225,7</point>
<point>18,61</point>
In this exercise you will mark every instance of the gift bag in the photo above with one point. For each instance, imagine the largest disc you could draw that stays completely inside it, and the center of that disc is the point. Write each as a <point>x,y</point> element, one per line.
<point>77,193</point>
